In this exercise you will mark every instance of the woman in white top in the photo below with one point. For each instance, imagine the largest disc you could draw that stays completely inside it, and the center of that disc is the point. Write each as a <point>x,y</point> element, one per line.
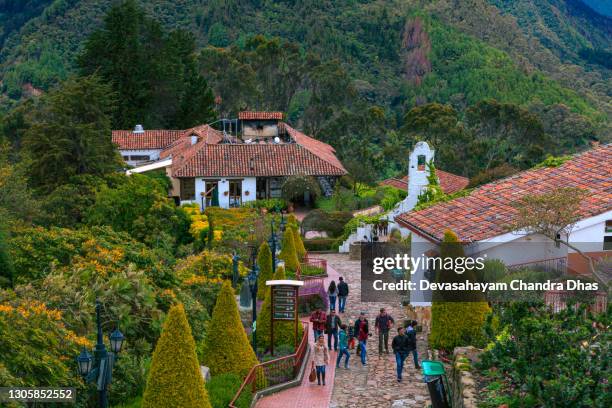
<point>321,359</point>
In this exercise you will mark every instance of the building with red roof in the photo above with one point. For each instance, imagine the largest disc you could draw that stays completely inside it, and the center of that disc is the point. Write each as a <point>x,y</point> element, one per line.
<point>481,219</point>
<point>207,165</point>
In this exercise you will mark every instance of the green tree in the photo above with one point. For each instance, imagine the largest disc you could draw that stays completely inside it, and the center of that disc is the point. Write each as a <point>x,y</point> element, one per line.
<point>288,252</point>
<point>175,379</point>
<point>154,73</point>
<point>7,270</point>
<point>264,261</point>
<point>71,133</point>
<point>226,346</point>
<point>456,323</point>
<point>300,249</point>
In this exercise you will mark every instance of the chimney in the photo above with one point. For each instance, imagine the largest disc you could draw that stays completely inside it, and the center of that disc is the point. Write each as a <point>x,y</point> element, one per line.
<point>194,139</point>
<point>138,129</point>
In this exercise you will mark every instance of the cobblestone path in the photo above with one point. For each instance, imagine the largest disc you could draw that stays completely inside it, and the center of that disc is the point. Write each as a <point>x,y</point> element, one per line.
<point>375,385</point>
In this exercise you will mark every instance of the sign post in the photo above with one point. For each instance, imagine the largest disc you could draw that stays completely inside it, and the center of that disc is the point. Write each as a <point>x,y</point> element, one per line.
<point>284,305</point>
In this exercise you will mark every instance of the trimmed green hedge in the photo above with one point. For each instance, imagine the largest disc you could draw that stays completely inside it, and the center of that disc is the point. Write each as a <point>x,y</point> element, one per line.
<point>320,244</point>
<point>331,222</point>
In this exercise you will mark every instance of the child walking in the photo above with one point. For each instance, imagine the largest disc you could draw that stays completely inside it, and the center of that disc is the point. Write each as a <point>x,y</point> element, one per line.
<point>343,347</point>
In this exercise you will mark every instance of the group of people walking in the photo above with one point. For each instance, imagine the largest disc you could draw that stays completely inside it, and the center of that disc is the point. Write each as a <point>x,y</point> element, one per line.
<point>345,336</point>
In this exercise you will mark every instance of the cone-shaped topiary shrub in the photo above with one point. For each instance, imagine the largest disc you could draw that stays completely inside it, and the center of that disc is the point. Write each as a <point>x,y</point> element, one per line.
<point>300,249</point>
<point>283,330</point>
<point>226,346</point>
<point>457,323</point>
<point>293,221</point>
<point>174,378</point>
<point>288,253</point>
<point>264,261</point>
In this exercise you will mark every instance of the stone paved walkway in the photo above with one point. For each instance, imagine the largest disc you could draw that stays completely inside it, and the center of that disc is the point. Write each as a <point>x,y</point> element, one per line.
<point>375,385</point>
<point>372,386</point>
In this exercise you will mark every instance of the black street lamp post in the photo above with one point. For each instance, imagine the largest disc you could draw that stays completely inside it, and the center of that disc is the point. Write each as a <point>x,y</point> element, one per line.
<point>235,260</point>
<point>252,277</point>
<point>273,241</point>
<point>99,368</point>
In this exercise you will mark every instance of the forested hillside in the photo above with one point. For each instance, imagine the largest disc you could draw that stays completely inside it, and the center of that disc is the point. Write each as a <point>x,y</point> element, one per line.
<point>349,71</point>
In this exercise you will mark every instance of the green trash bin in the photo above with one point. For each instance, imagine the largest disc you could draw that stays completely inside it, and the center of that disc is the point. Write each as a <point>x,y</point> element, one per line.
<point>434,376</point>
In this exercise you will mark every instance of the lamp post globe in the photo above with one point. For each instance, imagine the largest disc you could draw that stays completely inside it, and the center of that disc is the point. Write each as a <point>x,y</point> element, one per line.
<point>116,341</point>
<point>84,362</point>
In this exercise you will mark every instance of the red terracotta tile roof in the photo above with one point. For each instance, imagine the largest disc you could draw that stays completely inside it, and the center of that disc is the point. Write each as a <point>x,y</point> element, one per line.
<point>205,134</point>
<point>449,182</point>
<point>265,159</point>
<point>318,148</point>
<point>251,115</point>
<point>487,211</point>
<point>150,139</point>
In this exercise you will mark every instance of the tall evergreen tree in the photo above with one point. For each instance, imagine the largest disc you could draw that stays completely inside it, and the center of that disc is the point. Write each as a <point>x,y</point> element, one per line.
<point>71,133</point>
<point>288,252</point>
<point>175,379</point>
<point>226,347</point>
<point>264,261</point>
<point>457,322</point>
<point>154,73</point>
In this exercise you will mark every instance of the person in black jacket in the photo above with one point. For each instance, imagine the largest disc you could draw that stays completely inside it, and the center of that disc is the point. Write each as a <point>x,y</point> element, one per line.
<point>401,347</point>
<point>332,324</point>
<point>411,334</point>
<point>343,291</point>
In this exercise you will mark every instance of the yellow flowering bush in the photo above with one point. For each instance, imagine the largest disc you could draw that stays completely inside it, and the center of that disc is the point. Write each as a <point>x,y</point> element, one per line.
<point>36,348</point>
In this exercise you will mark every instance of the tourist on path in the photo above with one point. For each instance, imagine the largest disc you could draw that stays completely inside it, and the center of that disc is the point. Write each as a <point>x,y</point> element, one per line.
<point>383,324</point>
<point>332,292</point>
<point>401,347</point>
<point>321,359</point>
<point>332,324</point>
<point>318,318</point>
<point>363,331</point>
<point>411,334</point>
<point>351,335</point>
<point>343,291</point>
<point>343,337</point>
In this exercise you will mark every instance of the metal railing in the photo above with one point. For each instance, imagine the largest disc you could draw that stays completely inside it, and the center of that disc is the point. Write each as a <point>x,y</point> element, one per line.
<point>546,265</point>
<point>557,300</point>
<point>273,372</point>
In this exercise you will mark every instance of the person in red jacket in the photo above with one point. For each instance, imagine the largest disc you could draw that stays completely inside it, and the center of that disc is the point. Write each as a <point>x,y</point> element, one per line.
<point>362,330</point>
<point>318,320</point>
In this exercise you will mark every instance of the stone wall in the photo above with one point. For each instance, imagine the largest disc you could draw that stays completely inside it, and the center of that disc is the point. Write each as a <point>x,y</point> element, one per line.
<point>462,381</point>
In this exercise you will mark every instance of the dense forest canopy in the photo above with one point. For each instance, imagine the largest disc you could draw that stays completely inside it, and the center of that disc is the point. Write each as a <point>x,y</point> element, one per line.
<point>349,72</point>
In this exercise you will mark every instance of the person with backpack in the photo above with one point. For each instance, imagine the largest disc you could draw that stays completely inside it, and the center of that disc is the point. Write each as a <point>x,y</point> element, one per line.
<point>411,334</point>
<point>332,292</point>
<point>363,332</point>
<point>401,347</point>
<point>383,324</point>
<point>343,291</point>
<point>351,335</point>
<point>343,340</point>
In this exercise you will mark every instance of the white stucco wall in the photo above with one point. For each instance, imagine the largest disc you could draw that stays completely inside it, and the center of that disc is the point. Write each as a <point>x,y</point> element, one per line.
<point>248,184</point>
<point>588,234</point>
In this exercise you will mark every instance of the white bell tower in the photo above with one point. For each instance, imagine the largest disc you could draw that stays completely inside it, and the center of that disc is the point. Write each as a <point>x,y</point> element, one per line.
<point>418,172</point>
